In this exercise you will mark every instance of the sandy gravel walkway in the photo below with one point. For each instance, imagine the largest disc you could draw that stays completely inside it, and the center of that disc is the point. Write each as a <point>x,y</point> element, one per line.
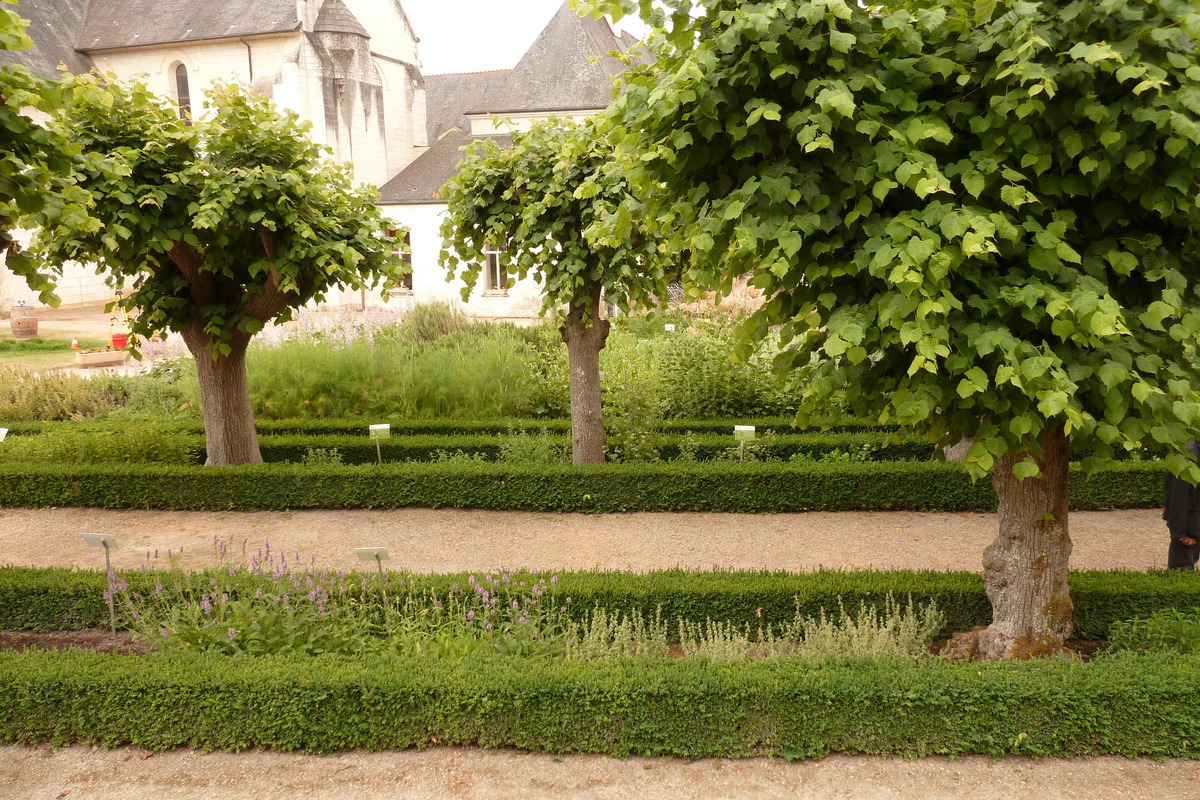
<point>128,774</point>
<point>447,540</point>
<point>427,540</point>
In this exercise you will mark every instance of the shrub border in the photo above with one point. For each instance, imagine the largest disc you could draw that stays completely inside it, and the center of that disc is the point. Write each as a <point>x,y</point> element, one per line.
<point>694,708</point>
<point>676,486</point>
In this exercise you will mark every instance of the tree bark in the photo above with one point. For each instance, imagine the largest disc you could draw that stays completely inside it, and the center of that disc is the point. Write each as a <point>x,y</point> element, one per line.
<point>584,343</point>
<point>1025,569</point>
<point>958,451</point>
<point>230,436</point>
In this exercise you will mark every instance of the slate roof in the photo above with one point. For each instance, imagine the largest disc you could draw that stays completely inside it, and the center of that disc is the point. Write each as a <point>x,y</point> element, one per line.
<point>449,97</point>
<point>65,30</point>
<point>336,18</point>
<point>555,74</point>
<point>54,26</point>
<point>420,181</point>
<point>132,23</point>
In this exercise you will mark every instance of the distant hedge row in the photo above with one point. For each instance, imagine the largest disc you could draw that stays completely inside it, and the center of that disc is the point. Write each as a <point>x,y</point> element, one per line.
<point>358,449</point>
<point>703,447</point>
<point>439,427</point>
<point>677,486</point>
<point>62,599</point>
<point>694,708</point>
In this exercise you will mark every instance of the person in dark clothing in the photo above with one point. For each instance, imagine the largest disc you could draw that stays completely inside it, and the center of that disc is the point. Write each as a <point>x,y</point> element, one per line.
<point>1181,510</point>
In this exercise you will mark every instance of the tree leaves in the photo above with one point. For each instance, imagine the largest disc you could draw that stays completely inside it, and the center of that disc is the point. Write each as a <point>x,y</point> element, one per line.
<point>233,217</point>
<point>1003,201</point>
<point>32,158</point>
<point>555,206</point>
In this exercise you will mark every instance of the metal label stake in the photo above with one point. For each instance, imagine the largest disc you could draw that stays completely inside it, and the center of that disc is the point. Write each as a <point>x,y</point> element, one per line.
<point>378,432</point>
<point>378,555</point>
<point>108,543</point>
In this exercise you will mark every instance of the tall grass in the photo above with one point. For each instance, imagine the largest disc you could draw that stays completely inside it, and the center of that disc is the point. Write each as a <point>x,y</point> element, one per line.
<point>436,362</point>
<point>427,367</point>
<point>54,396</point>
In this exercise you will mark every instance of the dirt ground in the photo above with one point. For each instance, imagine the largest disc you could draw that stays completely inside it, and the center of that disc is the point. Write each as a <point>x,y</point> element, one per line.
<point>431,540</point>
<point>449,540</point>
<point>130,774</point>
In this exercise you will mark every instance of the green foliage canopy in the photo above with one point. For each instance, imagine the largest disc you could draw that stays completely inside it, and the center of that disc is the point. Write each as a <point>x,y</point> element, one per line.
<point>31,156</point>
<point>541,204</point>
<point>224,222</point>
<point>984,216</point>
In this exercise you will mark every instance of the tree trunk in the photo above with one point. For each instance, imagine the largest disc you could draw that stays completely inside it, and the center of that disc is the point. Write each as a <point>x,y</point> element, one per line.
<point>229,433</point>
<point>1025,569</point>
<point>584,343</point>
<point>958,451</point>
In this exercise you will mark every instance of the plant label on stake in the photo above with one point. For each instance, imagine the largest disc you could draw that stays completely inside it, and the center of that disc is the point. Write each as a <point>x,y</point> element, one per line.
<point>378,555</point>
<point>106,541</point>
<point>3,433</point>
<point>377,432</point>
<point>743,434</point>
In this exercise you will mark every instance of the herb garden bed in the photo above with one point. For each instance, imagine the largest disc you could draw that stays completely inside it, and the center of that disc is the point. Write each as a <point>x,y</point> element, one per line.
<point>578,663</point>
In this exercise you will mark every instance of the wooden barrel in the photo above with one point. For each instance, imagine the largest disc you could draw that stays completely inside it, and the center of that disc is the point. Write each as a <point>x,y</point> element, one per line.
<point>24,323</point>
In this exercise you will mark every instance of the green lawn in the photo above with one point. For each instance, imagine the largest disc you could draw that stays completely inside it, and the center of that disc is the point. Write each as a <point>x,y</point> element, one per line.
<point>40,353</point>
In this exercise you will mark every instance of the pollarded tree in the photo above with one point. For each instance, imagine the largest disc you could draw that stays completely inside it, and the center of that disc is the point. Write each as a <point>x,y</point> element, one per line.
<point>980,218</point>
<point>31,157</point>
<point>222,224</point>
<point>551,207</point>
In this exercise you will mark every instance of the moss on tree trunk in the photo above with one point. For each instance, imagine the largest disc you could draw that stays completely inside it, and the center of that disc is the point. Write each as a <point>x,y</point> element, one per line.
<point>1025,568</point>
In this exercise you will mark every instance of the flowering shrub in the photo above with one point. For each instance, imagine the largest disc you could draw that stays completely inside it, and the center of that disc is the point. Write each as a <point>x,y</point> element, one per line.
<point>277,605</point>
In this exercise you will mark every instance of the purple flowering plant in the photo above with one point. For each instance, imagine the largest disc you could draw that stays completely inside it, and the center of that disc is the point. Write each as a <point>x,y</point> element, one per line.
<point>284,603</point>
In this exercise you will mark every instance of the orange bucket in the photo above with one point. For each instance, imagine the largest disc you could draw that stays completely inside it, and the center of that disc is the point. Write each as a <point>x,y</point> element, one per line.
<point>120,341</point>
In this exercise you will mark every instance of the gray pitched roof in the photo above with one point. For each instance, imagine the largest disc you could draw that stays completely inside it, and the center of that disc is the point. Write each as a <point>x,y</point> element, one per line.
<point>336,18</point>
<point>448,97</point>
<point>420,181</point>
<point>130,23</point>
<point>555,74</point>
<point>54,26</point>
<point>567,66</point>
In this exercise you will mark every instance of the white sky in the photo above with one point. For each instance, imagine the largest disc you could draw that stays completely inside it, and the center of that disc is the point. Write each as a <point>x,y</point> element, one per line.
<point>480,35</point>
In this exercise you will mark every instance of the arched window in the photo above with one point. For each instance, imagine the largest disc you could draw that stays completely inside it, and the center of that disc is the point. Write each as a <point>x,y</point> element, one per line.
<point>183,95</point>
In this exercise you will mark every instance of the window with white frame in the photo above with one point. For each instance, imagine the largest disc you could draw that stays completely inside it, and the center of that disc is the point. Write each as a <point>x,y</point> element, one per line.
<point>404,253</point>
<point>495,276</point>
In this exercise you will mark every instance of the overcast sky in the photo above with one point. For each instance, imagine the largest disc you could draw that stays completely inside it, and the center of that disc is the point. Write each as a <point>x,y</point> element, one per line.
<point>480,35</point>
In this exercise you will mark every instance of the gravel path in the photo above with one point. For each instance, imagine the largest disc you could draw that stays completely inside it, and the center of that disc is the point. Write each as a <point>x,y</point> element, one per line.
<point>426,540</point>
<point>448,540</point>
<point>128,774</point>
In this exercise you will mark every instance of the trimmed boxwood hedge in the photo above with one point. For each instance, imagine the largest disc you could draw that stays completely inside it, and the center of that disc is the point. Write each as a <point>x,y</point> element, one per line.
<point>441,426</point>
<point>418,447</point>
<point>677,486</point>
<point>1132,706</point>
<point>63,599</point>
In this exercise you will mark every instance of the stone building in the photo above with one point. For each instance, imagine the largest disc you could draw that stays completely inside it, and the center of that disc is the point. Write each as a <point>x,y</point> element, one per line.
<point>352,69</point>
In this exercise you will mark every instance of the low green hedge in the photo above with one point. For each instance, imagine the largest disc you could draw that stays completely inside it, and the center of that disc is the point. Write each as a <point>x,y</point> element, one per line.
<point>63,599</point>
<point>679,486</point>
<point>170,444</point>
<point>1132,706</point>
<point>704,447</point>
<point>432,427</point>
